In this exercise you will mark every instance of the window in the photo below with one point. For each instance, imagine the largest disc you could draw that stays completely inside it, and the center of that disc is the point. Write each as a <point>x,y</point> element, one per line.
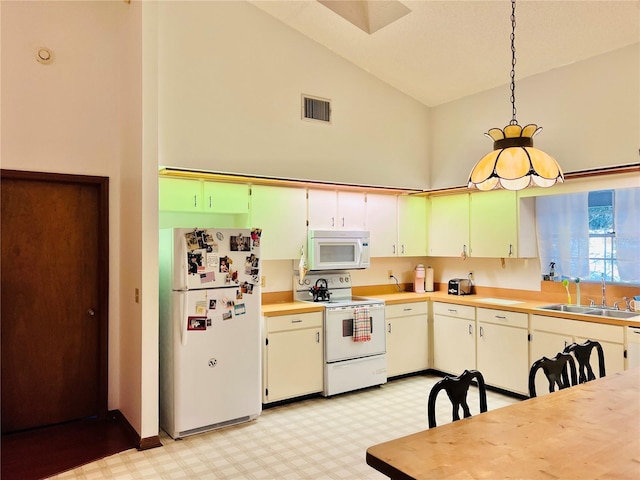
<point>589,234</point>
<point>602,236</point>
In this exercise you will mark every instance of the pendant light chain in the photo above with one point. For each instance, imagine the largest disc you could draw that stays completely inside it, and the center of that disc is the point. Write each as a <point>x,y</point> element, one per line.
<point>514,163</point>
<point>513,63</point>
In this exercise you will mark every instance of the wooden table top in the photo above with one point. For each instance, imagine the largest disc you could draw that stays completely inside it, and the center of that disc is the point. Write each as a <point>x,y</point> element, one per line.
<point>587,431</point>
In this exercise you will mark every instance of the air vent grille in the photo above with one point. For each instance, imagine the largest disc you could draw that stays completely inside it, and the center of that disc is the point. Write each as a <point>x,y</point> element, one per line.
<point>316,109</point>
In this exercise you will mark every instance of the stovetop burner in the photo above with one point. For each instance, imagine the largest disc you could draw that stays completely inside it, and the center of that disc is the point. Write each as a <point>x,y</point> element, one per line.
<point>330,289</point>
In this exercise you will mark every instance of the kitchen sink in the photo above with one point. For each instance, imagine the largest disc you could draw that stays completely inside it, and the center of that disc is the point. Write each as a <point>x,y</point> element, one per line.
<point>569,308</point>
<point>592,311</point>
<point>613,313</point>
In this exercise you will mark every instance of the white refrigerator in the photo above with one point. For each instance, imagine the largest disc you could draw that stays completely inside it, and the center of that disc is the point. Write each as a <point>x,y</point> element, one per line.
<point>210,340</point>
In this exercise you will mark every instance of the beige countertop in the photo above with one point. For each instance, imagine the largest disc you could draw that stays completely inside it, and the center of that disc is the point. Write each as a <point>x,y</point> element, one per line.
<point>509,304</point>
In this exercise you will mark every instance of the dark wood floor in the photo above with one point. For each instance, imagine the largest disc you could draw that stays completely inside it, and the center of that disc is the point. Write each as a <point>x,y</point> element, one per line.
<point>43,452</point>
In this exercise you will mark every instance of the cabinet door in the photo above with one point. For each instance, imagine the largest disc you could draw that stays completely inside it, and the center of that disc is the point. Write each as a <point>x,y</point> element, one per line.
<point>282,214</point>
<point>545,344</point>
<point>294,364</point>
<point>382,223</point>
<point>180,195</point>
<point>222,197</point>
<point>412,226</point>
<point>613,356</point>
<point>322,209</point>
<point>330,210</point>
<point>493,224</point>
<point>449,229</point>
<point>351,211</point>
<point>503,356</point>
<point>407,345</point>
<point>454,347</point>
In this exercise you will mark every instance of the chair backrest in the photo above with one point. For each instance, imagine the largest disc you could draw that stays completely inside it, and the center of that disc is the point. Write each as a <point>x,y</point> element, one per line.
<point>556,372</point>
<point>457,388</point>
<point>582,352</point>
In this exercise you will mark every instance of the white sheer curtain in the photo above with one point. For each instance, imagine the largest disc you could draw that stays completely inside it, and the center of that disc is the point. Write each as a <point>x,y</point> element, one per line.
<point>627,224</point>
<point>563,233</point>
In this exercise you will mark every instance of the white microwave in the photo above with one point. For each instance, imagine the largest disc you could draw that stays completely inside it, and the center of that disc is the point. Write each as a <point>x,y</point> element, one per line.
<point>338,250</point>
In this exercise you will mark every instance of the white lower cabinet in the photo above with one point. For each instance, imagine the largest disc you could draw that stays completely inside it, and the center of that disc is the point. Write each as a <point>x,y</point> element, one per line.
<point>454,337</point>
<point>502,349</point>
<point>293,362</point>
<point>407,338</point>
<point>549,335</point>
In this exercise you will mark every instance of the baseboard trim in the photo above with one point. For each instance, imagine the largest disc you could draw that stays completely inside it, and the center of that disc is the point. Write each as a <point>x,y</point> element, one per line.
<point>140,443</point>
<point>148,443</point>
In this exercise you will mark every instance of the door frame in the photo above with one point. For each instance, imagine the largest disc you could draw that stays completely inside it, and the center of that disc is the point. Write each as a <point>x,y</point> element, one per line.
<point>102,312</point>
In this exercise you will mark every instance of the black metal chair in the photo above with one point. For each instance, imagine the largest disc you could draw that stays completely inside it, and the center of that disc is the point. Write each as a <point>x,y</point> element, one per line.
<point>457,388</point>
<point>582,352</point>
<point>556,371</point>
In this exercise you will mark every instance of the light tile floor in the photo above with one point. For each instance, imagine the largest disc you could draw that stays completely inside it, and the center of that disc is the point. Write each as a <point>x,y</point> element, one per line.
<point>317,438</point>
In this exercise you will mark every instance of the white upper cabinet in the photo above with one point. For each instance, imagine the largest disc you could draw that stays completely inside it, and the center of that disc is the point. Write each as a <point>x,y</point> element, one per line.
<point>330,210</point>
<point>382,223</point>
<point>449,227</point>
<point>501,225</point>
<point>196,196</point>
<point>221,197</point>
<point>398,225</point>
<point>281,212</point>
<point>412,226</point>
<point>180,195</point>
<point>496,224</point>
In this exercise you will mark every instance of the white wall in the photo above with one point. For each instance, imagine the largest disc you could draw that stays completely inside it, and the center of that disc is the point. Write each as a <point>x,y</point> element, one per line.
<point>589,111</point>
<point>81,115</point>
<point>230,84</point>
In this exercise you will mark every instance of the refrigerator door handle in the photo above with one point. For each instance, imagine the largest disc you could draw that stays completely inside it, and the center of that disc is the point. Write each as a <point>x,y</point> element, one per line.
<point>183,263</point>
<point>182,319</point>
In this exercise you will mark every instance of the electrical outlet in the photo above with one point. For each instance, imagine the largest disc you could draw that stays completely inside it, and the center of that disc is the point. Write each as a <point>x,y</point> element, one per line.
<point>263,281</point>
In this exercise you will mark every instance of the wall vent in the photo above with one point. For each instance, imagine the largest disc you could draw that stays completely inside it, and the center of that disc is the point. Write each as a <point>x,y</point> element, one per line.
<point>316,109</point>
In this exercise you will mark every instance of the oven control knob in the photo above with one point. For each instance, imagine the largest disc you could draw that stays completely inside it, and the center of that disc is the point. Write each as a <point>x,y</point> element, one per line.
<point>306,281</point>
<point>346,279</point>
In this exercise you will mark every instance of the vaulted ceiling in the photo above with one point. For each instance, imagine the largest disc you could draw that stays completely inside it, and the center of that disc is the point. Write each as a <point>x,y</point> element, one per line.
<point>444,50</point>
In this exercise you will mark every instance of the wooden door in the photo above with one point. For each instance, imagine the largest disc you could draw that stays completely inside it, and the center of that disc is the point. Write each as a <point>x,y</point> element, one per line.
<point>54,298</point>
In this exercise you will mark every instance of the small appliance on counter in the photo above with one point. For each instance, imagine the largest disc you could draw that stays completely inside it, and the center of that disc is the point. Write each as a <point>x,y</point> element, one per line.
<point>428,283</point>
<point>418,279</point>
<point>459,286</point>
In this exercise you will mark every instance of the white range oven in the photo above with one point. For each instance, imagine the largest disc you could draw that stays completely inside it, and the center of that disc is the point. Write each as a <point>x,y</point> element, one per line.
<point>354,332</point>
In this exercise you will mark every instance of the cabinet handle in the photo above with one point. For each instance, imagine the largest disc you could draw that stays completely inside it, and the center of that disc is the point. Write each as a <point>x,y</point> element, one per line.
<point>389,327</point>
<point>333,221</point>
<point>343,221</point>
<point>402,249</point>
<point>470,330</point>
<point>298,320</point>
<point>209,201</point>
<point>317,337</point>
<point>481,332</point>
<point>407,309</point>
<point>510,250</point>
<point>501,317</point>
<point>195,200</point>
<point>453,310</point>
<point>394,249</point>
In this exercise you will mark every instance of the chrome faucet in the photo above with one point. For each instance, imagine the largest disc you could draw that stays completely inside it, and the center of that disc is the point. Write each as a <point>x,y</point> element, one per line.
<point>604,301</point>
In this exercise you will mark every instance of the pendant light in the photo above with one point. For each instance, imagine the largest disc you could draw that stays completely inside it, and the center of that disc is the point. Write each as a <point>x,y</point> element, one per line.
<point>514,163</point>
